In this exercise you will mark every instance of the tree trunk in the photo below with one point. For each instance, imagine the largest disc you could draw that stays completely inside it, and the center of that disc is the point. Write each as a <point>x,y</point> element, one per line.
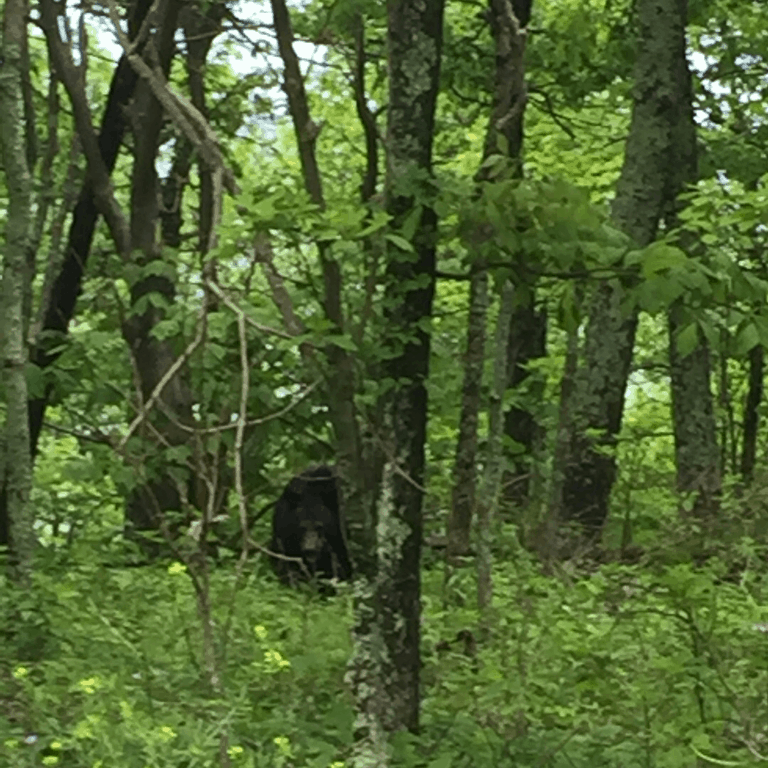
<point>752,413</point>
<point>494,458</point>
<point>728,438</point>
<point>66,287</point>
<point>641,193</point>
<point>528,327</point>
<point>598,405</point>
<point>504,136</point>
<point>355,474</point>
<point>697,455</point>
<point>414,37</point>
<point>158,492</point>
<point>693,412</point>
<point>465,465</point>
<point>547,534</point>
<point>19,534</point>
<point>527,342</point>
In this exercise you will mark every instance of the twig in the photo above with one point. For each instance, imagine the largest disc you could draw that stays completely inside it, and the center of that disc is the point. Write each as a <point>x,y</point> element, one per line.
<point>161,385</point>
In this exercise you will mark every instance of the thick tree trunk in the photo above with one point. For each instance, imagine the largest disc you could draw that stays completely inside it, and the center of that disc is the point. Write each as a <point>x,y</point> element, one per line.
<point>598,405</point>
<point>387,683</point>
<point>465,465</point>
<point>414,37</point>
<point>641,194</point>
<point>19,534</point>
<point>752,413</point>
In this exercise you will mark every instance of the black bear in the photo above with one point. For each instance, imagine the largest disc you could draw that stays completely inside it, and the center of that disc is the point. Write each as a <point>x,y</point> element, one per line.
<point>307,525</point>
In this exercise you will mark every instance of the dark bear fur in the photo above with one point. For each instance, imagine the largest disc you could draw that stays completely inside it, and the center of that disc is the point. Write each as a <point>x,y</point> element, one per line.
<point>306,524</point>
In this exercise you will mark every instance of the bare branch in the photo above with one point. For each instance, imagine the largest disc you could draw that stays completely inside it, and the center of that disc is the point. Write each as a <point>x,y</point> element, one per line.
<point>367,118</point>
<point>61,56</point>
<point>183,114</point>
<point>164,381</point>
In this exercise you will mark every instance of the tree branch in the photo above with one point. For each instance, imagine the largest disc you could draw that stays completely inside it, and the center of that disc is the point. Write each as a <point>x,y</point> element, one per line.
<point>61,56</point>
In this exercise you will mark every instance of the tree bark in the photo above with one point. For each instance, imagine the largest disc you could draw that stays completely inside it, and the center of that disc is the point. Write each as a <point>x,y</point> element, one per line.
<point>65,289</point>
<point>693,412</point>
<point>494,458</point>
<point>414,41</point>
<point>16,457</point>
<point>641,193</point>
<point>465,464</point>
<point>392,602</point>
<point>354,475</point>
<point>752,413</point>
<point>504,136</point>
<point>547,534</point>
<point>697,455</point>
<point>527,342</point>
<point>158,494</point>
<point>528,327</point>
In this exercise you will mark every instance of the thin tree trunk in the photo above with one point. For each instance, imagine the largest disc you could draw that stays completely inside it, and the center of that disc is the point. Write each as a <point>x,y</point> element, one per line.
<point>65,289</point>
<point>17,460</point>
<point>697,455</point>
<point>752,413</point>
<point>727,440</point>
<point>504,135</point>
<point>527,327</point>
<point>171,214</point>
<point>693,412</point>
<point>641,193</point>
<point>465,465</point>
<point>527,342</point>
<point>491,486</point>
<point>546,544</point>
<point>341,373</point>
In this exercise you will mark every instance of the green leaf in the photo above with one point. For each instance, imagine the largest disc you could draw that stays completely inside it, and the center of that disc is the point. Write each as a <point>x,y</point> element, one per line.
<point>761,323</point>
<point>158,268</point>
<point>400,242</point>
<point>412,221</point>
<point>660,256</point>
<point>747,337</point>
<point>658,293</point>
<point>687,339</point>
<point>35,380</point>
<point>380,220</point>
<point>342,341</point>
<point>711,332</point>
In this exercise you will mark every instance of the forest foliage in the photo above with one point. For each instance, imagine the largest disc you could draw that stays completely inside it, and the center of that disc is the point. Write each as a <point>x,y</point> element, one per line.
<point>264,237</point>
